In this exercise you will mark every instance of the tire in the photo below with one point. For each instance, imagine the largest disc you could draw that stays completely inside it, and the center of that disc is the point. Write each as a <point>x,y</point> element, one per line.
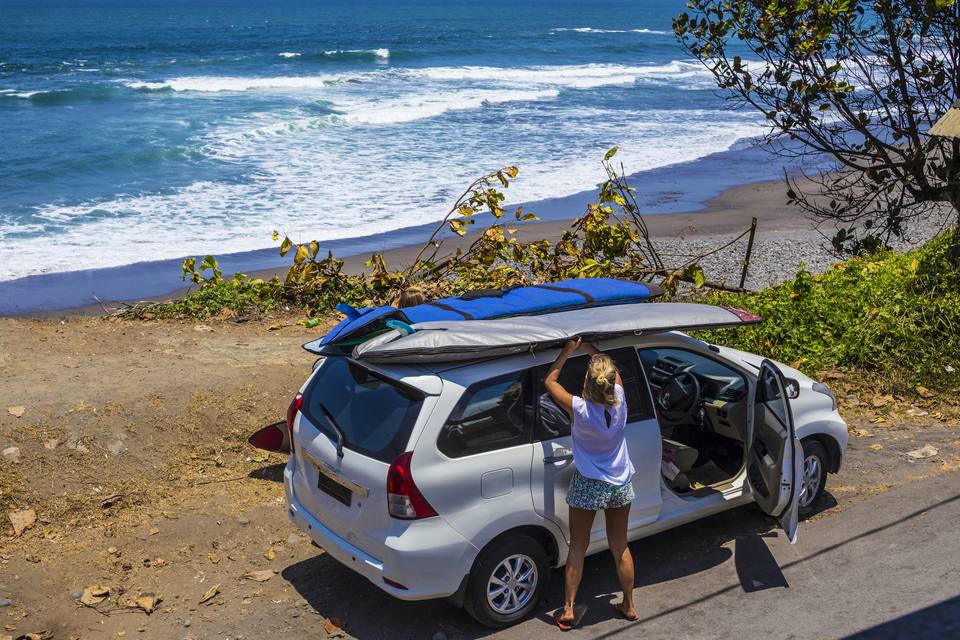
<point>813,451</point>
<point>499,559</point>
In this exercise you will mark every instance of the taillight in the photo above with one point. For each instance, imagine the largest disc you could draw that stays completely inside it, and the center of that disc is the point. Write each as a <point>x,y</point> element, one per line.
<point>404,500</point>
<point>271,438</point>
<point>292,411</point>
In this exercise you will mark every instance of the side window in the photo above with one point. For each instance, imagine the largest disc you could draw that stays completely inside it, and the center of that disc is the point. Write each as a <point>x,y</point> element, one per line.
<point>490,416</point>
<point>553,422</point>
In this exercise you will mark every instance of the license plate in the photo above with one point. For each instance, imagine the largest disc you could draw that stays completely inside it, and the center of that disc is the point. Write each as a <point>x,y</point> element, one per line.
<point>334,489</point>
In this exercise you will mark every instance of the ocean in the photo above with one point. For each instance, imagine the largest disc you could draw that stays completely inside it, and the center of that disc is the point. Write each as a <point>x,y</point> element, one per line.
<point>140,131</point>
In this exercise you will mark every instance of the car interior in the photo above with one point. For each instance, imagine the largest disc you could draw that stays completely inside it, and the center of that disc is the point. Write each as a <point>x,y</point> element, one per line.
<point>702,406</point>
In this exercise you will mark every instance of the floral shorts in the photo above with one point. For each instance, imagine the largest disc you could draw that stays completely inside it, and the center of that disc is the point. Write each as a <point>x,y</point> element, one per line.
<point>596,495</point>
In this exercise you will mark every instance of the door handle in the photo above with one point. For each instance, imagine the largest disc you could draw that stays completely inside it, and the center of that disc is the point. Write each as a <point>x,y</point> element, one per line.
<point>561,455</point>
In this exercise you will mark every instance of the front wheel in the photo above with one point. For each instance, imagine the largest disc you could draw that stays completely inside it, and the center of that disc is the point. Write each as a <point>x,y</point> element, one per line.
<point>507,581</point>
<point>814,476</point>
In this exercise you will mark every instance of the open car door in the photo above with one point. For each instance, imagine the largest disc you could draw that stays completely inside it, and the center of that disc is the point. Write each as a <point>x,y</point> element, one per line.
<point>774,454</point>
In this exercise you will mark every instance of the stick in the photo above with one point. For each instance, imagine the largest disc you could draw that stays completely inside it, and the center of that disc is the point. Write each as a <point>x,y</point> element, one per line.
<point>746,260</point>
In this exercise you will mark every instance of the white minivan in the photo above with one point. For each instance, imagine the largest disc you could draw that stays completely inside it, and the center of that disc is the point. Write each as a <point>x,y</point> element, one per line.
<point>446,478</point>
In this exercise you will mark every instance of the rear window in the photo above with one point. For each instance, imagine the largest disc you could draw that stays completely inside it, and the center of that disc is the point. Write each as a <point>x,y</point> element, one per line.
<point>490,416</point>
<point>375,414</point>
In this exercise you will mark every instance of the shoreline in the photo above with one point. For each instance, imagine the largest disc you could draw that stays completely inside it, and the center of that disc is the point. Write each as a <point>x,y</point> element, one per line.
<point>715,194</point>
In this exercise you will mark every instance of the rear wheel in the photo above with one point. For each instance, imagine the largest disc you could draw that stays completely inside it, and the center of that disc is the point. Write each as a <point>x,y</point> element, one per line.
<point>507,581</point>
<point>815,459</point>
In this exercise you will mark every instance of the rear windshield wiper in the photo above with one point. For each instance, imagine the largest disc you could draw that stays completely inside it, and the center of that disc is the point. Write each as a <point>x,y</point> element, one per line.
<point>341,439</point>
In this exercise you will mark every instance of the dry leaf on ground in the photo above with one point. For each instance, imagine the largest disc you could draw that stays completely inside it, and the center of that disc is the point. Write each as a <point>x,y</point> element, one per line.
<point>923,392</point>
<point>333,627</point>
<point>94,595</point>
<point>209,593</point>
<point>147,602</point>
<point>270,554</point>
<point>860,433</point>
<point>926,451</point>
<point>876,447</point>
<point>259,576</point>
<point>22,520</point>
<point>16,411</point>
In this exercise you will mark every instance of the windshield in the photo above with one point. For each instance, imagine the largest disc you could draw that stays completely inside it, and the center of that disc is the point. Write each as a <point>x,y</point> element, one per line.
<point>374,414</point>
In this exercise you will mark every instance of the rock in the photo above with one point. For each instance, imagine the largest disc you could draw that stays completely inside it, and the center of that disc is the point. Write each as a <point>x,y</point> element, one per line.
<point>926,451</point>
<point>22,520</point>
<point>51,444</point>
<point>293,539</point>
<point>16,411</point>
<point>186,622</point>
<point>4,603</point>
<point>75,595</point>
<point>117,447</point>
<point>11,454</point>
<point>243,520</point>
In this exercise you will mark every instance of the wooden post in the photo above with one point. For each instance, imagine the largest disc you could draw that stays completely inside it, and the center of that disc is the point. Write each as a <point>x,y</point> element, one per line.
<point>746,260</point>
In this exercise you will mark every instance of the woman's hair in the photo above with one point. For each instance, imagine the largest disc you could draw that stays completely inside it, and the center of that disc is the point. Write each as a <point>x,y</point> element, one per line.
<point>600,380</point>
<point>411,297</point>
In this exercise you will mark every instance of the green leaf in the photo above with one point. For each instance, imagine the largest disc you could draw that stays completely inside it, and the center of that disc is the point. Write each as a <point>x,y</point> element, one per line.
<point>286,245</point>
<point>612,152</point>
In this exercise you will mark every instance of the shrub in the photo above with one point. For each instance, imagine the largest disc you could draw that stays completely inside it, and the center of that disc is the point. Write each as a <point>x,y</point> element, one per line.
<point>888,311</point>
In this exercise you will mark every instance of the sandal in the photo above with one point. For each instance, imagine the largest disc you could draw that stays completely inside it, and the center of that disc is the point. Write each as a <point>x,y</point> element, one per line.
<point>564,625</point>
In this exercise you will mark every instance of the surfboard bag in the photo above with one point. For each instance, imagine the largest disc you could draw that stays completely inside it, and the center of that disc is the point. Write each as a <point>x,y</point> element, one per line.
<point>360,325</point>
<point>445,341</point>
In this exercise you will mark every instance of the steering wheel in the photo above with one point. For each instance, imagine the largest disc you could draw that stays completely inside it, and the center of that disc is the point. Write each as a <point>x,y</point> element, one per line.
<point>679,396</point>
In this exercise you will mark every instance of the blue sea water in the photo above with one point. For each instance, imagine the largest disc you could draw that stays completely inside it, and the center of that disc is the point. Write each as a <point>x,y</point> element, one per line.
<point>135,130</point>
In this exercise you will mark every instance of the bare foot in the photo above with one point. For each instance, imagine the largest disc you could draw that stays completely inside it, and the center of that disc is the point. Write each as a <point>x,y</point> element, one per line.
<point>627,611</point>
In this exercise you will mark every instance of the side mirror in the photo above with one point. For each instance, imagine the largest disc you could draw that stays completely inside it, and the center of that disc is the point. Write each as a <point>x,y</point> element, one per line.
<point>792,388</point>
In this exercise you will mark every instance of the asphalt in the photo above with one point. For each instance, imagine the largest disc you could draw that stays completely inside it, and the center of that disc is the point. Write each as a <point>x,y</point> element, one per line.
<point>887,567</point>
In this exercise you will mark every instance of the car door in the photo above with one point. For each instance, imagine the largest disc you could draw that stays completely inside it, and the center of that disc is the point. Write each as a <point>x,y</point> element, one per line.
<point>774,453</point>
<point>553,464</point>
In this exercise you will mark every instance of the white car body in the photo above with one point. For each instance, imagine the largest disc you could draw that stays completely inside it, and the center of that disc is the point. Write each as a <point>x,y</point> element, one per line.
<point>482,497</point>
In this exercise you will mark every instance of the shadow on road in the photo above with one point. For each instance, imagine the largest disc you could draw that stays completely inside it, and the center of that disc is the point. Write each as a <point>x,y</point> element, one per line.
<point>368,613</point>
<point>939,621</point>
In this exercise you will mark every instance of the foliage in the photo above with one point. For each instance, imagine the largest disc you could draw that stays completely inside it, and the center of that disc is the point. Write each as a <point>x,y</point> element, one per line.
<point>885,311</point>
<point>860,81</point>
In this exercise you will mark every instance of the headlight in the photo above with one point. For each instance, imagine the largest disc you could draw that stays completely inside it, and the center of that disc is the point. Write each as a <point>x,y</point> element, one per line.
<point>819,387</point>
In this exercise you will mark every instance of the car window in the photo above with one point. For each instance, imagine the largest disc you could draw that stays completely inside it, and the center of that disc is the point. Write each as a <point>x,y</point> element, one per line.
<point>375,415</point>
<point>553,422</point>
<point>490,416</point>
<point>717,380</point>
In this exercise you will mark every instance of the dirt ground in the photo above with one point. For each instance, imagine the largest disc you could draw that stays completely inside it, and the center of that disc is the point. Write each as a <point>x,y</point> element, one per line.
<point>131,453</point>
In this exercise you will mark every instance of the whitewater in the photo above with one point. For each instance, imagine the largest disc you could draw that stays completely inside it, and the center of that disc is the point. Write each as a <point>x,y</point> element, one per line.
<point>232,127</point>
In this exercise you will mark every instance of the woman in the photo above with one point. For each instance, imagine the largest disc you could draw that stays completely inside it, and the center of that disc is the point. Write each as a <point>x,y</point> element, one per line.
<point>603,474</point>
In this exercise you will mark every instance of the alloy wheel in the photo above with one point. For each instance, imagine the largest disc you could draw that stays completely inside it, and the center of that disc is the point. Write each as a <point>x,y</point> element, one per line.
<point>512,584</point>
<point>812,477</point>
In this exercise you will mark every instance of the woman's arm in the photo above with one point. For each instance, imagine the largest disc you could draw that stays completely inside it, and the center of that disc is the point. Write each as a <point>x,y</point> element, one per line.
<point>560,395</point>
<point>592,350</point>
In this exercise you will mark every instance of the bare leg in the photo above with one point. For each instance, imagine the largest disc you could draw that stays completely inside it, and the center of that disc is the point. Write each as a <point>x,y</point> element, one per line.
<point>617,539</point>
<point>581,521</point>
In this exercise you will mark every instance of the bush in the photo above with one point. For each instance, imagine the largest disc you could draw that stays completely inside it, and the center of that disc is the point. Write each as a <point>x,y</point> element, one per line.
<point>889,312</point>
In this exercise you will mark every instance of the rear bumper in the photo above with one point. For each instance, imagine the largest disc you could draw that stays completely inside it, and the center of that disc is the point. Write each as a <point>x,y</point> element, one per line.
<point>427,556</point>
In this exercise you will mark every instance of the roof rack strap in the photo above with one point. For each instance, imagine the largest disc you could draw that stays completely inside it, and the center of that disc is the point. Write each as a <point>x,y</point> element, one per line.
<point>446,307</point>
<point>586,296</point>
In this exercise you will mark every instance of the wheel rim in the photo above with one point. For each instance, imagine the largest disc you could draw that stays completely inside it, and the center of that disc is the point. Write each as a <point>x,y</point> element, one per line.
<point>812,476</point>
<point>512,584</point>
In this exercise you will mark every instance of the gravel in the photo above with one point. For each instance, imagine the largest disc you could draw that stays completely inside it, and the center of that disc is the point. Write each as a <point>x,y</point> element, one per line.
<point>777,255</point>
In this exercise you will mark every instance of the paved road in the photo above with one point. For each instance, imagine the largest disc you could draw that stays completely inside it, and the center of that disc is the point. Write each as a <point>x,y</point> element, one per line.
<point>888,567</point>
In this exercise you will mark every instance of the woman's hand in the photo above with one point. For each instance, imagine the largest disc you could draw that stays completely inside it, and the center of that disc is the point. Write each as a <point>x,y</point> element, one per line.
<point>572,345</point>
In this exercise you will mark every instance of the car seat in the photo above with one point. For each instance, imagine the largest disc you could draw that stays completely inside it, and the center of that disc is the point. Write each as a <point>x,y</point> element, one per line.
<point>683,457</point>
